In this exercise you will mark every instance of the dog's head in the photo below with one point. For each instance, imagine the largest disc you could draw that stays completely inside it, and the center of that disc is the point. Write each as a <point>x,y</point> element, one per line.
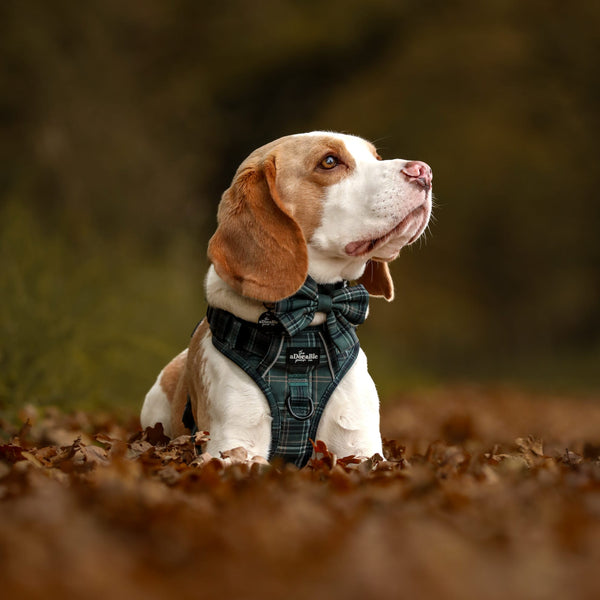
<point>323,204</point>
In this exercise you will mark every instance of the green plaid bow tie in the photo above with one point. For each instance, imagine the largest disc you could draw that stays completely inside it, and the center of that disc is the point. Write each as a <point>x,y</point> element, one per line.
<point>345,307</point>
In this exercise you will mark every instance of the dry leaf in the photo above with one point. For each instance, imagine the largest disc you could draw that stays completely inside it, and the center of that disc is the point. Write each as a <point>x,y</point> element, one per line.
<point>434,519</point>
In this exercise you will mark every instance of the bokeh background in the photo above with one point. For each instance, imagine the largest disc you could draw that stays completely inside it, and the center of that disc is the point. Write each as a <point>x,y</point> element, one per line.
<point>123,121</point>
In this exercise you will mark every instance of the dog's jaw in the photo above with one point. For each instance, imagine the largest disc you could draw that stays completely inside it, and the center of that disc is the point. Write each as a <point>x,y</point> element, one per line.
<point>387,246</point>
<point>324,267</point>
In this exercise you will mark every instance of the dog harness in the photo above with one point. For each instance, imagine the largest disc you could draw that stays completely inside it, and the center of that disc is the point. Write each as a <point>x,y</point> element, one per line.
<point>297,366</point>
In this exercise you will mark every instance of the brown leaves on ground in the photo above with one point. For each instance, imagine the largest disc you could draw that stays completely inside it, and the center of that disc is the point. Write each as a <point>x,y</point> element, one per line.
<point>461,506</point>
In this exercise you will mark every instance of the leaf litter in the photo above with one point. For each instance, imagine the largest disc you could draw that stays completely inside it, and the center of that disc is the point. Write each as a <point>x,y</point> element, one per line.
<point>478,494</point>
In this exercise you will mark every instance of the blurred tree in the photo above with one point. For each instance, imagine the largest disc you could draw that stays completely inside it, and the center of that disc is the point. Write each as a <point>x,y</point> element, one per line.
<point>123,122</point>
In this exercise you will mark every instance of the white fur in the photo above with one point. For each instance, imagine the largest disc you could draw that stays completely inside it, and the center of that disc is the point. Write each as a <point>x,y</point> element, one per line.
<point>373,200</point>
<point>238,411</point>
<point>350,421</point>
<point>365,205</point>
<point>156,407</point>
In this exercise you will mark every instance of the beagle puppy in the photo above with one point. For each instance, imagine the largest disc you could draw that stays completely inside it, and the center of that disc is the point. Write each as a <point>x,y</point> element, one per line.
<point>322,206</point>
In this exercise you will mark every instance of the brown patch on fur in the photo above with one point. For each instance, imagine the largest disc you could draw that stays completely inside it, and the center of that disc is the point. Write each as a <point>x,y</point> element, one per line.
<point>190,383</point>
<point>378,280</point>
<point>195,375</point>
<point>300,181</point>
<point>273,206</point>
<point>171,376</point>
<point>373,150</point>
<point>258,248</point>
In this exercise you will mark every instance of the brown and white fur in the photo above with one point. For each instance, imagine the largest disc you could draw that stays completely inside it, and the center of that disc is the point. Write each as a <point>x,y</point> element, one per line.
<point>319,204</point>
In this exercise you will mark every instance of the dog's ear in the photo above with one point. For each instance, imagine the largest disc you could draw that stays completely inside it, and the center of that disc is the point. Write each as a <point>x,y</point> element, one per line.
<point>378,280</point>
<point>258,247</point>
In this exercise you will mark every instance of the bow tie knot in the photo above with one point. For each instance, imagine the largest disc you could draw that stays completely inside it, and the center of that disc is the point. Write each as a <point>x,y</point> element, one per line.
<point>345,307</point>
<point>324,303</point>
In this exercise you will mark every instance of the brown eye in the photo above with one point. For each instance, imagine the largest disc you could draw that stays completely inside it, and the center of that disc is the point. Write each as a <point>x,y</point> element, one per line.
<point>329,162</point>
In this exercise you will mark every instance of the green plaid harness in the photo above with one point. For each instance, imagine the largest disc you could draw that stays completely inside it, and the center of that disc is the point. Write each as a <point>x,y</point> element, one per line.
<point>297,366</point>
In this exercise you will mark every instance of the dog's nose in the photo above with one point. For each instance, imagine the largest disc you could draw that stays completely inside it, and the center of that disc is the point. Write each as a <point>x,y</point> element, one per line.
<point>419,172</point>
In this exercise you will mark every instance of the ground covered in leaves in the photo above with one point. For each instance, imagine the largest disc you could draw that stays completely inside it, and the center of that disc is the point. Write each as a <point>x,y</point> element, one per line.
<point>481,494</point>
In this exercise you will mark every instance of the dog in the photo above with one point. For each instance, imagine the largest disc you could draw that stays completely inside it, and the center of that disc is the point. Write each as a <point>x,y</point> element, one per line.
<point>318,209</point>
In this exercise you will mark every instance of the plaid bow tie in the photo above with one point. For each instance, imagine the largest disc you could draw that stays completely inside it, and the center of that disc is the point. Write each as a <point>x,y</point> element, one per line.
<point>345,307</point>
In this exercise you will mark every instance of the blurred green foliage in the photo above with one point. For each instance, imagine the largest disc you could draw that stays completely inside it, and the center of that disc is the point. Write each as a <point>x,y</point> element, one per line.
<point>74,322</point>
<point>122,122</point>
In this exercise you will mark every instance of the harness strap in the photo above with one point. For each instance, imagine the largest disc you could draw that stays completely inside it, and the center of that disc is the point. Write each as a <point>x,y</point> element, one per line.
<point>296,366</point>
<point>296,374</point>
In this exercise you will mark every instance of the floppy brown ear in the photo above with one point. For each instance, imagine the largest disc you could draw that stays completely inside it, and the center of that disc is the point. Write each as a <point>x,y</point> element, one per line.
<point>378,280</point>
<point>258,248</point>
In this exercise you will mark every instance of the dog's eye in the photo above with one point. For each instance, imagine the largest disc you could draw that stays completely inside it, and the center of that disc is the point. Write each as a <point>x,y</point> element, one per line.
<point>329,162</point>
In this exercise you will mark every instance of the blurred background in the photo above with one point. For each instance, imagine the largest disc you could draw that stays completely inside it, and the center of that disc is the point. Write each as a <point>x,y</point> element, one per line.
<point>123,122</point>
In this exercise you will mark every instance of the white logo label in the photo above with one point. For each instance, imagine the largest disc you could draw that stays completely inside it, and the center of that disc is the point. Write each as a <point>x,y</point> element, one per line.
<point>303,356</point>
